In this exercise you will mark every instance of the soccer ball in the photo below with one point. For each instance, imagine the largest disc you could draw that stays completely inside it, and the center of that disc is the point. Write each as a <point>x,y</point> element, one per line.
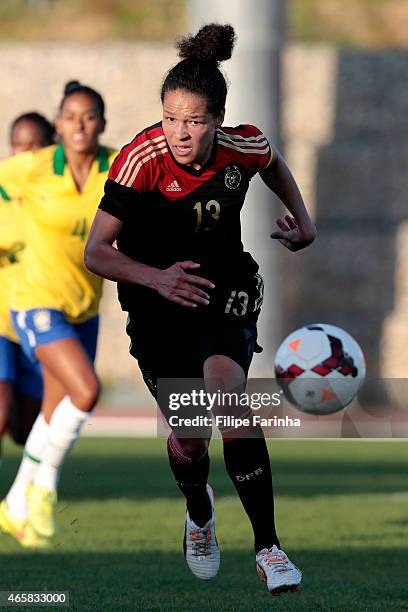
<point>320,368</point>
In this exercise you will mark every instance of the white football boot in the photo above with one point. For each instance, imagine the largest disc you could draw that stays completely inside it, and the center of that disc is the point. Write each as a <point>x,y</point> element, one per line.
<point>279,573</point>
<point>201,547</point>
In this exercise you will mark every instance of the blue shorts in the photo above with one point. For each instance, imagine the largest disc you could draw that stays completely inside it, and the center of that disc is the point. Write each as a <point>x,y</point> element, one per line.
<point>40,326</point>
<point>17,369</point>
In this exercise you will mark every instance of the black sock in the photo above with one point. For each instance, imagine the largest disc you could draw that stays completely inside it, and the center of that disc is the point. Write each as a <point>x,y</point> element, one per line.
<point>191,475</point>
<point>247,463</point>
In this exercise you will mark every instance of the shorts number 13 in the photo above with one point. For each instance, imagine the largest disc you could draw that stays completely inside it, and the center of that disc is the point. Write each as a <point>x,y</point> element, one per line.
<point>243,298</point>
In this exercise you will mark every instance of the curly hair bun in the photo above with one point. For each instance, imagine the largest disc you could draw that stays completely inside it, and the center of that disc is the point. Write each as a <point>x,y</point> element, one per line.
<point>71,86</point>
<point>213,43</point>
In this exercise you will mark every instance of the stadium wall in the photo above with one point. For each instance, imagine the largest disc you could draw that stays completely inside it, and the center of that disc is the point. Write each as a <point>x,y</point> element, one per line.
<point>345,138</point>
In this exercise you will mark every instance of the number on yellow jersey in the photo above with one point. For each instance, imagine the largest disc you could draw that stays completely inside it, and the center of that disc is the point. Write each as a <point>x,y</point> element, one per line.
<point>80,228</point>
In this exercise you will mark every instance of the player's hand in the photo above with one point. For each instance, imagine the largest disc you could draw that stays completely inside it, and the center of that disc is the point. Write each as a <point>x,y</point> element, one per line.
<point>178,285</point>
<point>291,236</point>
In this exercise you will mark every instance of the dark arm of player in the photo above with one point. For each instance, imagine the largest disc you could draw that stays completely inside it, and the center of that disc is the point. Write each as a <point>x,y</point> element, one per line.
<point>174,283</point>
<point>296,231</point>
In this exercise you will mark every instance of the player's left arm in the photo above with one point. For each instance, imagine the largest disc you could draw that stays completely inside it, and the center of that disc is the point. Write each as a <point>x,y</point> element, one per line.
<point>296,231</point>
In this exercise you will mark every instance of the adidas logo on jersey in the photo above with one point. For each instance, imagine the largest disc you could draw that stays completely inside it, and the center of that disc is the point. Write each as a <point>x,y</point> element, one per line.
<point>174,186</point>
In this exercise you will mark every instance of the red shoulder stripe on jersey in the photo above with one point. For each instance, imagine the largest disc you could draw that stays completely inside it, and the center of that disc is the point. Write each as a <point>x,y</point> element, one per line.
<point>239,138</point>
<point>245,148</point>
<point>242,143</point>
<point>253,144</point>
<point>135,155</point>
<point>160,149</point>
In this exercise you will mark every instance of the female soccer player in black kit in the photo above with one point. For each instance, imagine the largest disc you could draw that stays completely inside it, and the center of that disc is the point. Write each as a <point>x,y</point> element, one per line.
<point>172,202</point>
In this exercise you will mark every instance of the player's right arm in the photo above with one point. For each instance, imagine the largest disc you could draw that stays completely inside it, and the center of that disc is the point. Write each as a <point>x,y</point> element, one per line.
<point>175,283</point>
<point>125,188</point>
<point>102,258</point>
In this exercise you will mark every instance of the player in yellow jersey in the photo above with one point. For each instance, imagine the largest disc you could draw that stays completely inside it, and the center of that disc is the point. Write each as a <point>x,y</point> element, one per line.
<point>55,301</point>
<point>20,380</point>
<point>30,132</point>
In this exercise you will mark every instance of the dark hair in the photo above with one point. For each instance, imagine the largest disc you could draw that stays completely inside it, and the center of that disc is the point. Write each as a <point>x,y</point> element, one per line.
<point>73,87</point>
<point>47,129</point>
<point>198,70</point>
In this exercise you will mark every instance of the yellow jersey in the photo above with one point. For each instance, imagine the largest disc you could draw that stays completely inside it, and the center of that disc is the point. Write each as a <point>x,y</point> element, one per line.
<point>57,219</point>
<point>12,237</point>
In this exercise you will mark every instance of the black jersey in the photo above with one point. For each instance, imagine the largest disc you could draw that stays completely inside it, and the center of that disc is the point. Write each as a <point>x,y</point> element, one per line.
<point>172,212</point>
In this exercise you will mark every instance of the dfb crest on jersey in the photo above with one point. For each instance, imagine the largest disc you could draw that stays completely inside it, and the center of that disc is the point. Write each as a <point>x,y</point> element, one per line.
<point>232,177</point>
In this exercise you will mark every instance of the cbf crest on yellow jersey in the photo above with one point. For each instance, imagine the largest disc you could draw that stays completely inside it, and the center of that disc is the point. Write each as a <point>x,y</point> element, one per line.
<point>12,238</point>
<point>58,218</point>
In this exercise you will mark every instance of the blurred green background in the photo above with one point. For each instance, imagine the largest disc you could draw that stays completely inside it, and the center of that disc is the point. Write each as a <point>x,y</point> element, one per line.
<point>345,23</point>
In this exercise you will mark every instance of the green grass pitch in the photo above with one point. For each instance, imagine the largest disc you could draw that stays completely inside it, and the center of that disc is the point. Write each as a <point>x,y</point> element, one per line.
<point>342,515</point>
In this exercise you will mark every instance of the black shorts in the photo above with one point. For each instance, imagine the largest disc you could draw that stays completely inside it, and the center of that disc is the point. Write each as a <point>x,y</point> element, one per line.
<point>176,345</point>
<point>172,341</point>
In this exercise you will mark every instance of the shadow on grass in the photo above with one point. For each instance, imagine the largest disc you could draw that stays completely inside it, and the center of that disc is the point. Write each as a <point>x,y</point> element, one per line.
<point>346,579</point>
<point>140,475</point>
